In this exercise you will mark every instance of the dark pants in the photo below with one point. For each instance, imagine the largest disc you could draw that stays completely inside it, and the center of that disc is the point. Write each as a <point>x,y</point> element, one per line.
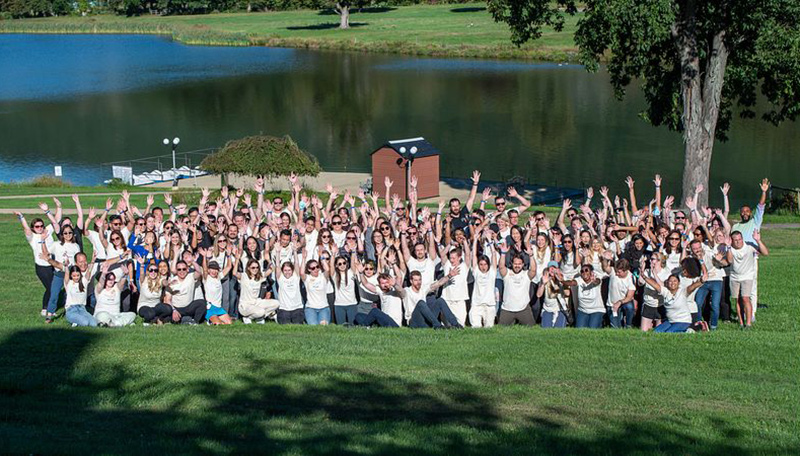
<point>291,317</point>
<point>442,312</point>
<point>45,275</point>
<point>523,317</point>
<point>345,314</point>
<point>423,317</point>
<point>725,303</point>
<point>196,309</point>
<point>589,320</point>
<point>160,311</point>
<point>375,317</point>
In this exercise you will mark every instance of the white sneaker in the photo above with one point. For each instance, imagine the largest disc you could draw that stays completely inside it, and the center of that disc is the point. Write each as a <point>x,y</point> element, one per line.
<point>246,320</point>
<point>44,312</point>
<point>145,324</point>
<point>261,321</point>
<point>74,325</point>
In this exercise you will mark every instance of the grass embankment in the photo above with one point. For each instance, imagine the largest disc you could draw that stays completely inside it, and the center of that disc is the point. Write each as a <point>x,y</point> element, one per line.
<point>329,390</point>
<point>430,30</point>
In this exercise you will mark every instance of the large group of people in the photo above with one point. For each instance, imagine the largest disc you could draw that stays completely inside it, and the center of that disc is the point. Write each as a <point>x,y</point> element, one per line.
<point>360,261</point>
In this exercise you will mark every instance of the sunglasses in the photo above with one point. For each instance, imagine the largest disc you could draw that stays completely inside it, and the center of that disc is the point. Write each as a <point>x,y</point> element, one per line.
<point>326,236</point>
<point>182,269</point>
<point>140,224</point>
<point>67,232</point>
<point>369,269</point>
<point>116,238</point>
<point>385,228</point>
<point>313,268</point>
<point>341,263</point>
<point>680,217</point>
<point>253,268</point>
<point>567,241</point>
<point>674,239</point>
<point>336,223</point>
<point>223,241</point>
<point>351,238</point>
<point>152,270</point>
<point>585,270</point>
<point>38,225</point>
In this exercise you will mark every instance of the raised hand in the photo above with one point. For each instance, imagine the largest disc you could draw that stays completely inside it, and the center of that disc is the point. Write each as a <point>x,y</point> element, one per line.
<point>512,192</point>
<point>150,200</point>
<point>690,203</point>
<point>57,202</point>
<point>247,199</point>
<point>441,206</point>
<point>567,203</point>
<point>604,191</point>
<point>454,271</point>
<point>657,180</point>
<point>413,182</point>
<point>699,189</point>
<point>224,191</point>
<point>204,192</point>
<point>629,181</point>
<point>726,187</point>
<point>668,201</point>
<point>476,177</point>
<point>487,192</point>
<point>757,236</point>
<point>44,207</point>
<point>76,199</point>
<point>616,201</point>
<point>258,185</point>
<point>590,193</point>
<point>388,182</point>
<point>765,185</point>
<point>167,199</point>
<point>374,196</point>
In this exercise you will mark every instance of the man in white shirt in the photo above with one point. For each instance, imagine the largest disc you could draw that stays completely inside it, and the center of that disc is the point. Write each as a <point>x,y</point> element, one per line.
<point>424,313</point>
<point>742,258</point>
<point>620,293</point>
<point>516,291</point>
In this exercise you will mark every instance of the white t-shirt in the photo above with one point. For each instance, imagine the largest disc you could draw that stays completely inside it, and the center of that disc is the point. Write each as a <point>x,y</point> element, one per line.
<point>674,262</point>
<point>289,295</point>
<point>552,301</point>
<point>426,267</point>
<point>677,305</point>
<point>97,244</point>
<point>64,253</point>
<point>213,288</point>
<point>411,299</point>
<point>183,291</point>
<point>281,255</point>
<point>715,274</point>
<point>148,298</point>
<point>590,299</point>
<point>568,267</point>
<point>316,291</point>
<point>108,301</point>
<point>541,262</point>
<point>483,288</point>
<point>311,239</point>
<point>516,291</point>
<point>619,287</point>
<point>250,289</point>
<point>339,238</point>
<point>456,288</point>
<point>37,240</point>
<point>76,297</point>
<point>392,305</point>
<point>345,289</point>
<point>651,297</point>
<point>744,263</point>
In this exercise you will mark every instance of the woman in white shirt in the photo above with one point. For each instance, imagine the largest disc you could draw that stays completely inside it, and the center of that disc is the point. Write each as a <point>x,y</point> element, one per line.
<point>212,284</point>
<point>315,279</point>
<point>290,310</point>
<point>343,279</point>
<point>252,307</point>
<point>60,255</point>
<point>484,298</point>
<point>455,292</point>
<point>152,307</point>
<point>107,292</point>
<point>589,298</point>
<point>37,236</point>
<point>676,297</point>
<point>75,305</point>
<point>554,297</point>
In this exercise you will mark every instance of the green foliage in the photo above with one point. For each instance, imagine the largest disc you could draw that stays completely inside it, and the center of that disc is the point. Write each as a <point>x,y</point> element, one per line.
<point>43,181</point>
<point>36,8</point>
<point>785,202</point>
<point>642,38</point>
<point>263,155</point>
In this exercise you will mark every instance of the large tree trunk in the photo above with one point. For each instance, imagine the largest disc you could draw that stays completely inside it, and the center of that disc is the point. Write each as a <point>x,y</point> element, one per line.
<point>701,94</point>
<point>344,15</point>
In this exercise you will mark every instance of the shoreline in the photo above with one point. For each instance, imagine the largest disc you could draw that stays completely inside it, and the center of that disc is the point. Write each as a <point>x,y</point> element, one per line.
<point>195,34</point>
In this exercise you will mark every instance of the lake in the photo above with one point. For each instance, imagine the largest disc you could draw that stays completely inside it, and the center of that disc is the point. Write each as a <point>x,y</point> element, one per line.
<point>80,100</point>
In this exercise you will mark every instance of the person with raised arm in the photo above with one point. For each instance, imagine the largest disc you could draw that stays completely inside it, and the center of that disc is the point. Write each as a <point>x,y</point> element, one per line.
<point>368,312</point>
<point>343,279</point>
<point>590,307</point>
<point>182,293</point>
<point>421,312</point>
<point>742,259</point>
<point>389,289</point>
<point>290,301</point>
<point>516,290</point>
<point>484,300</point>
<point>676,294</point>
<point>553,293</point>
<point>315,279</point>
<point>750,223</point>
<point>108,292</point>
<point>152,306</point>
<point>620,292</point>
<point>76,287</point>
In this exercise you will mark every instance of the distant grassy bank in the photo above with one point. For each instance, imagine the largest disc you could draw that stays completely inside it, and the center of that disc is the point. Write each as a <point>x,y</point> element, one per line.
<point>427,30</point>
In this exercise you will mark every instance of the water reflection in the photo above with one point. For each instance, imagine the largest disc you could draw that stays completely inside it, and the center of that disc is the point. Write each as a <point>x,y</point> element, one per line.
<point>114,98</point>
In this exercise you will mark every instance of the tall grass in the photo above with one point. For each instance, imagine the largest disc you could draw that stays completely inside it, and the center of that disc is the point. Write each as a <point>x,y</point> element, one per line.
<point>38,182</point>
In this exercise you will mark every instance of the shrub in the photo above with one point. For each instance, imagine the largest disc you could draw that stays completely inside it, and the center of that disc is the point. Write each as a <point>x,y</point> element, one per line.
<point>47,181</point>
<point>266,156</point>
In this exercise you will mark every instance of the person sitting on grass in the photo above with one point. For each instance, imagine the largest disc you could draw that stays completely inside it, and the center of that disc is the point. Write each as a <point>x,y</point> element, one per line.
<point>108,292</point>
<point>212,284</point>
<point>424,313</point>
<point>75,288</point>
<point>151,306</point>
<point>676,294</point>
<point>368,312</point>
<point>185,308</point>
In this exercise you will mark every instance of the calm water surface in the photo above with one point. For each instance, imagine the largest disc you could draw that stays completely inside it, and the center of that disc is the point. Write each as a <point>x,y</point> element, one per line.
<point>79,101</point>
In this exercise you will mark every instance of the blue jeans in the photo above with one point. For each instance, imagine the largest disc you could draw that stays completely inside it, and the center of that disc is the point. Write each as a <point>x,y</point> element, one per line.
<point>317,316</point>
<point>423,317</point>
<point>560,320</point>
<point>589,320</point>
<point>668,327</point>
<point>439,306</point>
<point>628,309</point>
<point>715,288</point>
<point>80,316</point>
<point>56,287</point>
<point>345,314</point>
<point>375,316</point>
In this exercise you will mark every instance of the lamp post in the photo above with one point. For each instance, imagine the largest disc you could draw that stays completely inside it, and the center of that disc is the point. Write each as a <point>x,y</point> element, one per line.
<point>409,156</point>
<point>174,143</point>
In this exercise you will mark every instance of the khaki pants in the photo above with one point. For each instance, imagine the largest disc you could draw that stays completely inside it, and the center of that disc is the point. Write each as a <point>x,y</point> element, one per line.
<point>482,315</point>
<point>258,310</point>
<point>754,293</point>
<point>115,320</point>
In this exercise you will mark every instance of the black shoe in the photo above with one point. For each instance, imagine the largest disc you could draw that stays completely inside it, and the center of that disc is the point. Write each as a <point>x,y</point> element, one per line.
<point>761,306</point>
<point>188,321</point>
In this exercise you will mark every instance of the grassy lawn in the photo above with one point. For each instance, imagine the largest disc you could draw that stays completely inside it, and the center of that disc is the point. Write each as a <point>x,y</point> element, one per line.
<point>465,30</point>
<point>330,390</point>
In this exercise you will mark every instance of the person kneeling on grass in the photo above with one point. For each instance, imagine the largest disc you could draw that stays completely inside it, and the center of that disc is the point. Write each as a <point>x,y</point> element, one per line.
<point>108,292</point>
<point>252,307</point>
<point>676,296</point>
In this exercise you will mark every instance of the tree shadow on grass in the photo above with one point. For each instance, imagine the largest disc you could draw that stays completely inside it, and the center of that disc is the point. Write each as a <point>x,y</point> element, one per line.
<point>60,394</point>
<point>468,9</point>
<point>325,26</point>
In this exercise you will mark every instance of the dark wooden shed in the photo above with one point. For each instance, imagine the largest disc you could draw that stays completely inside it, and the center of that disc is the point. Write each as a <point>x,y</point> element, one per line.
<point>392,158</point>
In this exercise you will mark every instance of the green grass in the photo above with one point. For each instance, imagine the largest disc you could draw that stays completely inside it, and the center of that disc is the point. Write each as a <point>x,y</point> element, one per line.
<point>315,390</point>
<point>433,30</point>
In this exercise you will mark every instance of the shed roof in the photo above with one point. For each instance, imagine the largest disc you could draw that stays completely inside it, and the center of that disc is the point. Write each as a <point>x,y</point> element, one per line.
<point>424,148</point>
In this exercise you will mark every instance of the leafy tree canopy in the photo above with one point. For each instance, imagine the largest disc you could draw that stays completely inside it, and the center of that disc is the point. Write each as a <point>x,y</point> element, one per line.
<point>267,156</point>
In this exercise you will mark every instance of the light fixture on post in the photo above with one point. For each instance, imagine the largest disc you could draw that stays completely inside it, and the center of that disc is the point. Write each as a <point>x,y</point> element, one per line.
<point>409,156</point>
<point>174,143</point>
